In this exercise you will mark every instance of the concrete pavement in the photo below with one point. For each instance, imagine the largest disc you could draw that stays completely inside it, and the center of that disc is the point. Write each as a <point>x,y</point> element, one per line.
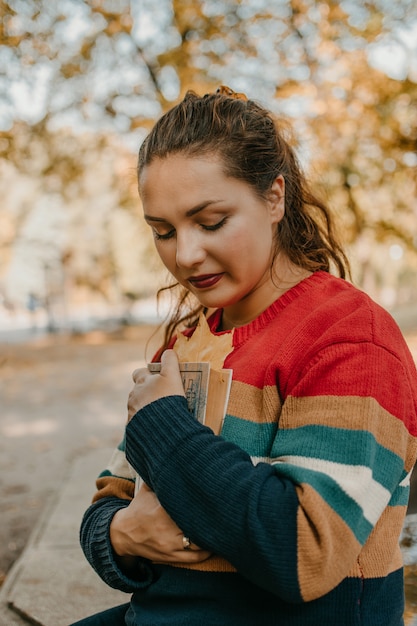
<point>52,584</point>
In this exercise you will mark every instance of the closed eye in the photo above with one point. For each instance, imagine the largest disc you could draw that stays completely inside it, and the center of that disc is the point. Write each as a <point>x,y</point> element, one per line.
<point>159,236</point>
<point>214,226</point>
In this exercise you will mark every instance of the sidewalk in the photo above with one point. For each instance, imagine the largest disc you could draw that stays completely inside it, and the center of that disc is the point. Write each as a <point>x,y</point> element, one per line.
<point>52,584</point>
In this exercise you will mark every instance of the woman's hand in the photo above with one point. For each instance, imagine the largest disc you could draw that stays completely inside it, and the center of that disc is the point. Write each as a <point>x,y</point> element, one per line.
<point>150,387</point>
<point>146,530</point>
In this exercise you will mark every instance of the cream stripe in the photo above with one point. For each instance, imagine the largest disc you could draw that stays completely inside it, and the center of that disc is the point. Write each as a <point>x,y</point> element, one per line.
<point>119,466</point>
<point>260,459</point>
<point>406,481</point>
<point>355,480</point>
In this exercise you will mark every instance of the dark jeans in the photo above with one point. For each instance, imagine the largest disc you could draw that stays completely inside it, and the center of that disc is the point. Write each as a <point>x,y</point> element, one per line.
<point>111,617</point>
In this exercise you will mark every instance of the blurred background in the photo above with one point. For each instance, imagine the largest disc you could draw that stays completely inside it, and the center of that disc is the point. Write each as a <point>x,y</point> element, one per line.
<point>81,82</point>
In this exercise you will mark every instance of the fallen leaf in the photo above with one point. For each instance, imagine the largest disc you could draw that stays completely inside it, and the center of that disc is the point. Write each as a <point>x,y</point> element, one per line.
<point>203,346</point>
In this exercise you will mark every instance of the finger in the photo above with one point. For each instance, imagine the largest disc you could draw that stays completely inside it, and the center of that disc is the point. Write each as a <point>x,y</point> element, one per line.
<point>182,557</point>
<point>188,546</point>
<point>169,363</point>
<point>138,375</point>
<point>192,556</point>
<point>186,543</point>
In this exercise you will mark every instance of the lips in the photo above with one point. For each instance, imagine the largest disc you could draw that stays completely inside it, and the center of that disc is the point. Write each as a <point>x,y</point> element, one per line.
<point>205,281</point>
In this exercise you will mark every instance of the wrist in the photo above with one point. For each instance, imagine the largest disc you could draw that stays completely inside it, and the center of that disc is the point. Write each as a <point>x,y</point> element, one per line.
<point>117,535</point>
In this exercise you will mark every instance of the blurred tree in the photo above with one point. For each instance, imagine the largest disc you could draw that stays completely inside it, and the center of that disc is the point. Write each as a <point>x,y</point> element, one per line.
<point>71,217</point>
<point>111,66</point>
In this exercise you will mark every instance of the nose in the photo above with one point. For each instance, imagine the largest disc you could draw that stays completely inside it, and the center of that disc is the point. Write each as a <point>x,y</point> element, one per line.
<point>190,251</point>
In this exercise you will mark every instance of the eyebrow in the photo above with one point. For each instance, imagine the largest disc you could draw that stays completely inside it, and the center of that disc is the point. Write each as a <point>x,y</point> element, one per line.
<point>189,213</point>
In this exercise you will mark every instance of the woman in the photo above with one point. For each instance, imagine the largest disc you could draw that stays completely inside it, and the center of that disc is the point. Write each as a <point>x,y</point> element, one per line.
<point>292,515</point>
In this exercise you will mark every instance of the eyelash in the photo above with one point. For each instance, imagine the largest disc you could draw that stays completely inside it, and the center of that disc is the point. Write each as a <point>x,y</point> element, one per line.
<point>171,233</point>
<point>159,237</point>
<point>215,226</point>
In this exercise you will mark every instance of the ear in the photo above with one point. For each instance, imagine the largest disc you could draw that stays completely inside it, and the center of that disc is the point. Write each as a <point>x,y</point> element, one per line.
<point>277,199</point>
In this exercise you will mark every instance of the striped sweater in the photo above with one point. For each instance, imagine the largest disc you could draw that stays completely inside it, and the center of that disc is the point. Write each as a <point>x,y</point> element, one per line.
<point>302,497</point>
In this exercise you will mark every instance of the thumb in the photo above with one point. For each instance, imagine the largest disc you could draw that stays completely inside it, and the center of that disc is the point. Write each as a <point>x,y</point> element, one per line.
<point>169,364</point>
<point>170,371</point>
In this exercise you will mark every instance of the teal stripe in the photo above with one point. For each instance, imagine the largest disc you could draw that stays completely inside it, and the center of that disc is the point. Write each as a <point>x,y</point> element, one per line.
<point>336,498</point>
<point>107,472</point>
<point>122,445</point>
<point>339,445</point>
<point>400,497</point>
<point>256,439</point>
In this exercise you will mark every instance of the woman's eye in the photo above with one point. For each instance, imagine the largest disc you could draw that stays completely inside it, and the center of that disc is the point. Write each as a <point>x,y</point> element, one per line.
<point>214,226</point>
<point>167,235</point>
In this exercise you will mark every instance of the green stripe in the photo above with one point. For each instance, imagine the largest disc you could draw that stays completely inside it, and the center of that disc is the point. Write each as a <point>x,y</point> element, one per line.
<point>107,472</point>
<point>336,498</point>
<point>339,445</point>
<point>400,497</point>
<point>256,439</point>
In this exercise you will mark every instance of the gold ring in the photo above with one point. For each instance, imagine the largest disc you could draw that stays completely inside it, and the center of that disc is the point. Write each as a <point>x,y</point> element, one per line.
<point>186,543</point>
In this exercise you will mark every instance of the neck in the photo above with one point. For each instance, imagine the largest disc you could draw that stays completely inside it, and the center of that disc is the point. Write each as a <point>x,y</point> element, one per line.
<point>244,312</point>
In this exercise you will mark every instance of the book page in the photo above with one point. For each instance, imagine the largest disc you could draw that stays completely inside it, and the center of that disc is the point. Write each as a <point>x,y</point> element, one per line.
<point>218,396</point>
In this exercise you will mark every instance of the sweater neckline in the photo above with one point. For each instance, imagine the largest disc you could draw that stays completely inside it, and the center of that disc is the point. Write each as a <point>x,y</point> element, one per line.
<point>243,333</point>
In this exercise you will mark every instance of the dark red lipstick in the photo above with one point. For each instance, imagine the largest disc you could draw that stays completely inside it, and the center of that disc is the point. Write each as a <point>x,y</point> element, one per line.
<point>205,281</point>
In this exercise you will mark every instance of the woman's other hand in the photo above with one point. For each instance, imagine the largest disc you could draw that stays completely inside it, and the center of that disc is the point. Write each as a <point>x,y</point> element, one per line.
<point>144,529</point>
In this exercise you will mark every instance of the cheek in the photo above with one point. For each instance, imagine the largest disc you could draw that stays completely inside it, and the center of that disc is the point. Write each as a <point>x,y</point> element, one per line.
<point>234,243</point>
<point>250,244</point>
<point>166,253</point>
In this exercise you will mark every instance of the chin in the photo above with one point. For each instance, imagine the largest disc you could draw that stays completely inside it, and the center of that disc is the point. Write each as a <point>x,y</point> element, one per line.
<point>218,303</point>
<point>211,303</point>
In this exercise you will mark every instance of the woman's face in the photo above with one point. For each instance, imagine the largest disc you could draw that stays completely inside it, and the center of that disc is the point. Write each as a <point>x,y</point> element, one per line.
<point>212,232</point>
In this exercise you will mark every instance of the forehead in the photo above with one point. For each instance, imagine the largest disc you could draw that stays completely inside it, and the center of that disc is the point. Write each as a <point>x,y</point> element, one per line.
<point>180,164</point>
<point>181,178</point>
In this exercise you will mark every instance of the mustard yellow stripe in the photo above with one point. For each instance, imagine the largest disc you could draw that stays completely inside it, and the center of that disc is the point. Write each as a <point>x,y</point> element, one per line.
<point>325,545</point>
<point>253,404</point>
<point>381,554</point>
<point>213,564</point>
<point>114,486</point>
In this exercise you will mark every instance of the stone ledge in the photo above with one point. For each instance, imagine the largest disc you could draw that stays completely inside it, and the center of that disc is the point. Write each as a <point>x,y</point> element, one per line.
<point>52,584</point>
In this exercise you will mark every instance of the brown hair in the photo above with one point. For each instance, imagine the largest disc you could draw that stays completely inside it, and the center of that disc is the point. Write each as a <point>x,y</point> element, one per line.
<point>253,148</point>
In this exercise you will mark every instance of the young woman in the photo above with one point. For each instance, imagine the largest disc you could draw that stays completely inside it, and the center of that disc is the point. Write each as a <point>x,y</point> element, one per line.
<point>292,515</point>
